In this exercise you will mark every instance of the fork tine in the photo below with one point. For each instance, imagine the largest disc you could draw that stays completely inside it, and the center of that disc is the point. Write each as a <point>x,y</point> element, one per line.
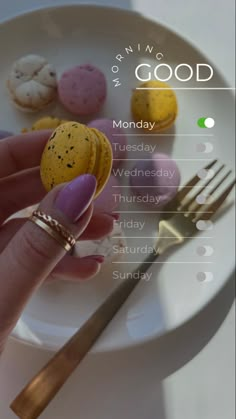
<point>212,208</point>
<point>198,207</point>
<point>220,182</point>
<point>175,203</point>
<point>192,199</point>
<point>184,191</point>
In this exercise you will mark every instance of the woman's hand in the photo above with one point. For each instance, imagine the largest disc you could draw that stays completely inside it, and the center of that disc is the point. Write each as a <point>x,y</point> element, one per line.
<point>28,255</point>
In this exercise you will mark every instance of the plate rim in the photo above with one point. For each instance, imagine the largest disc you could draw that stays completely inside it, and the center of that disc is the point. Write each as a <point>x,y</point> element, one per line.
<point>223,80</point>
<point>112,8</point>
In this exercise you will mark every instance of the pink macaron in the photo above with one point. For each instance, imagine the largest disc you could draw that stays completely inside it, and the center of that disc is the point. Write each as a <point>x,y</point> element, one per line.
<point>106,201</point>
<point>155,180</point>
<point>82,89</point>
<point>116,137</point>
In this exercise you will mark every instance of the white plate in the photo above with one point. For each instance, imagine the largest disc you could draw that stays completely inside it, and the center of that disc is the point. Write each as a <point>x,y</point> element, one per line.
<point>78,34</point>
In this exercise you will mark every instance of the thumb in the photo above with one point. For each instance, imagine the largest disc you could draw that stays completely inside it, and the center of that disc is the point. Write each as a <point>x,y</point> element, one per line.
<point>32,253</point>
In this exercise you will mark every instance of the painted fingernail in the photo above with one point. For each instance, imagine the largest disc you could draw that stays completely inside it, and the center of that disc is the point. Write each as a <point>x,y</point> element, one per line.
<point>113,215</point>
<point>98,258</point>
<point>116,216</point>
<point>76,196</point>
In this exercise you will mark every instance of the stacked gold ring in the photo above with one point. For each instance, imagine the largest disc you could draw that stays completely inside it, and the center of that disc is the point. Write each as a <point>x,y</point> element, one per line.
<point>54,229</point>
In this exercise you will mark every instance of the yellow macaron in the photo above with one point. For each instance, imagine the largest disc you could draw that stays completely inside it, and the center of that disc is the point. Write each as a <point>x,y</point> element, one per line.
<point>73,150</point>
<point>156,103</point>
<point>47,122</point>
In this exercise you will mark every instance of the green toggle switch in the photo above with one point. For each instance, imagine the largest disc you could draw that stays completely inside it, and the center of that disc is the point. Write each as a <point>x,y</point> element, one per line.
<point>206,122</point>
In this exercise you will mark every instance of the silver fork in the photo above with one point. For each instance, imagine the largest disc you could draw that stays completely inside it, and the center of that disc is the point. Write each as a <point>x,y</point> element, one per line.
<point>173,230</point>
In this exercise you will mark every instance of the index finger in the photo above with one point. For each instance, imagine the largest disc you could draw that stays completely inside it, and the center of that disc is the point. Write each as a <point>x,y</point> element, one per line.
<point>22,151</point>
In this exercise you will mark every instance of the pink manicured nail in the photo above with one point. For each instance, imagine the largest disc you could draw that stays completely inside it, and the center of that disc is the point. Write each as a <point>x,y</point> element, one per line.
<point>98,258</point>
<point>115,216</point>
<point>76,196</point>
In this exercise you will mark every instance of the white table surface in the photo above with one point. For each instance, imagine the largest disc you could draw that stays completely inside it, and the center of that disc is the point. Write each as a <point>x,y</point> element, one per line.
<point>188,374</point>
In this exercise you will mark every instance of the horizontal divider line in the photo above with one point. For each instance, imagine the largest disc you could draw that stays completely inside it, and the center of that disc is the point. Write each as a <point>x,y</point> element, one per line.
<point>163,135</point>
<point>170,186</point>
<point>151,263</point>
<point>155,238</point>
<point>160,160</point>
<point>185,88</point>
<point>161,212</point>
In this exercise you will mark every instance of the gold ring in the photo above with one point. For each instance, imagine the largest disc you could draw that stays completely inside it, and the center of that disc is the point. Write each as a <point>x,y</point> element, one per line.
<point>54,229</point>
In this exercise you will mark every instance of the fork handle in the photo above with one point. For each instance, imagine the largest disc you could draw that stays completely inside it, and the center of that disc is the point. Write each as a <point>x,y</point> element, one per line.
<point>35,397</point>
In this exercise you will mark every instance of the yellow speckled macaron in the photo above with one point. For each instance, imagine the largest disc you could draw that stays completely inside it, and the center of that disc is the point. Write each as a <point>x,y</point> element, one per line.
<point>47,122</point>
<point>155,105</point>
<point>103,160</point>
<point>73,150</point>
